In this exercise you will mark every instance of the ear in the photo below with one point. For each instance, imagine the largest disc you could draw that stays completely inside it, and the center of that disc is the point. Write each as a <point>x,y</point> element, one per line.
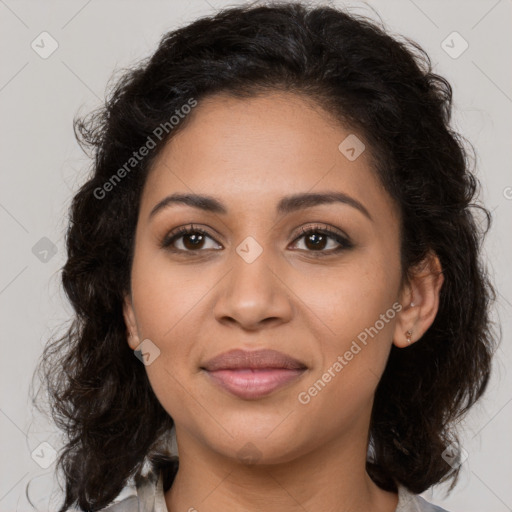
<point>131,324</point>
<point>422,290</point>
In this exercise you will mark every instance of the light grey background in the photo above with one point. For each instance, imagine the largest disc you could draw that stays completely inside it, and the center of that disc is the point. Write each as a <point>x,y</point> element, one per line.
<point>42,167</point>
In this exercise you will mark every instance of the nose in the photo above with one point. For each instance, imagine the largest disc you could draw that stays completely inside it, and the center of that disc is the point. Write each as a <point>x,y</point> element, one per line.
<point>253,295</point>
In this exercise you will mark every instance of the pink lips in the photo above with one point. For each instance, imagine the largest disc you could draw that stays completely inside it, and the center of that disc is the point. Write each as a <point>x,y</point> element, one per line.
<point>254,374</point>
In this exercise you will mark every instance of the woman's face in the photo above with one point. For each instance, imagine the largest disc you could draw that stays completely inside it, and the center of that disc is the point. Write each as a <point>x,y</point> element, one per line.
<point>254,281</point>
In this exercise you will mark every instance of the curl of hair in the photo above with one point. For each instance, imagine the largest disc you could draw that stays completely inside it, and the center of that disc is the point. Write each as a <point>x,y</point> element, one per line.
<point>383,89</point>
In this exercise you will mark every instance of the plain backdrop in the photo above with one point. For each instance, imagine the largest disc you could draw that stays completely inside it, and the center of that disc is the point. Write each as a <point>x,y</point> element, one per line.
<point>42,167</point>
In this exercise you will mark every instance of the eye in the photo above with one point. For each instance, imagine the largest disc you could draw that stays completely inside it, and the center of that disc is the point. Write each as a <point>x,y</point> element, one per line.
<point>191,240</point>
<point>317,238</point>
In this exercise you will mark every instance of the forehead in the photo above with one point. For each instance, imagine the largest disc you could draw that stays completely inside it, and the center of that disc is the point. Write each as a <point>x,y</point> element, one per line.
<point>256,150</point>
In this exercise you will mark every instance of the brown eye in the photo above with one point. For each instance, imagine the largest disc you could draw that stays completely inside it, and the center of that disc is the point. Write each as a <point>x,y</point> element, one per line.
<point>191,240</point>
<point>320,240</point>
<point>317,239</point>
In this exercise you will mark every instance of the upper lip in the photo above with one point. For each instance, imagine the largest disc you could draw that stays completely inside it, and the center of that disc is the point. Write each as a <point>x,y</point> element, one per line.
<point>238,359</point>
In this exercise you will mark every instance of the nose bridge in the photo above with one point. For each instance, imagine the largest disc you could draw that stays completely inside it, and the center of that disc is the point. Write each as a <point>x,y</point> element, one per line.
<point>252,264</point>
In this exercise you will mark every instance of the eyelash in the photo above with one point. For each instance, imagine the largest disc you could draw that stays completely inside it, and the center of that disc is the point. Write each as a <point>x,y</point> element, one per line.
<point>170,238</point>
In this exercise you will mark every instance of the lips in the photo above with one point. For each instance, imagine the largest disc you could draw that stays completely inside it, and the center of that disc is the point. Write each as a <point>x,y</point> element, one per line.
<point>253,374</point>
<point>240,359</point>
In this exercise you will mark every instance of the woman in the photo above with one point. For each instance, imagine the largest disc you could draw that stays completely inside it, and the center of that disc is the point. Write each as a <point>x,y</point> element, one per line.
<point>279,226</point>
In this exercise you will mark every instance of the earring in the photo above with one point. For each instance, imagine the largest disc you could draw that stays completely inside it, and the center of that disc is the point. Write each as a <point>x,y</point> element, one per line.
<point>409,335</point>
<point>412,304</point>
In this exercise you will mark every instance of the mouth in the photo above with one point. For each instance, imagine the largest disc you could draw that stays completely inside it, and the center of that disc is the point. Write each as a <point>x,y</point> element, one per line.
<point>255,374</point>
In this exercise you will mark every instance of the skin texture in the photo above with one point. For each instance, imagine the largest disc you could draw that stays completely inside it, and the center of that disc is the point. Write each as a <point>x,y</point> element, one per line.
<point>249,154</point>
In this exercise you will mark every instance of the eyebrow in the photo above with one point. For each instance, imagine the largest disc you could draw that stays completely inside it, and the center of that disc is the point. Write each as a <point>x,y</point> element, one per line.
<point>286,205</point>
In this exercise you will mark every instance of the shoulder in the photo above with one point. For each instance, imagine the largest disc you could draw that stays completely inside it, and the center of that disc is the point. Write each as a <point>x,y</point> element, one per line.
<point>409,502</point>
<point>129,504</point>
<point>148,495</point>
<point>127,501</point>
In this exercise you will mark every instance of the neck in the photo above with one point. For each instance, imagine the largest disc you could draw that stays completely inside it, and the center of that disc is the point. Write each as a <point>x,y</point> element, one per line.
<point>330,478</point>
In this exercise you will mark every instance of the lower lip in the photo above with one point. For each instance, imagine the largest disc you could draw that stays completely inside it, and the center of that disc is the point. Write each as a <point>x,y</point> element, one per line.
<point>251,384</point>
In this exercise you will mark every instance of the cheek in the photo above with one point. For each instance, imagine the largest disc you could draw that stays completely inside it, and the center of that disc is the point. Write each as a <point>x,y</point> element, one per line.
<point>350,297</point>
<point>172,374</point>
<point>165,302</point>
<point>165,293</point>
<point>354,310</point>
<point>343,387</point>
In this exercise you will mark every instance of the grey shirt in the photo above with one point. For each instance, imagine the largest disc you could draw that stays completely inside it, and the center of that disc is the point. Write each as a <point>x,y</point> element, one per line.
<point>149,497</point>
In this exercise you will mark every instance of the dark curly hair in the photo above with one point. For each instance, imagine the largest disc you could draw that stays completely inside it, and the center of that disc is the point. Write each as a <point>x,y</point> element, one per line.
<point>379,86</point>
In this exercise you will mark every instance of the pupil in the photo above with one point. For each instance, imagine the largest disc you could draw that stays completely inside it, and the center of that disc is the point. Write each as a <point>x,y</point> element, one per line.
<point>315,238</point>
<point>193,240</point>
